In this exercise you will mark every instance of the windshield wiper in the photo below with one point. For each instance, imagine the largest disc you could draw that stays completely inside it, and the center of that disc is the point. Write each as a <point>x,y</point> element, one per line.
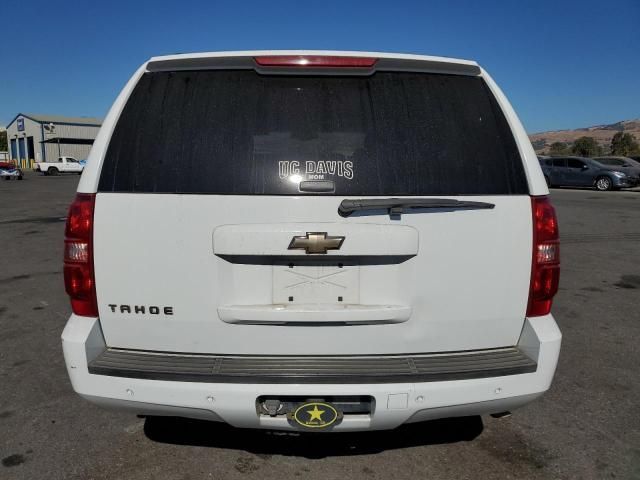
<point>397,206</point>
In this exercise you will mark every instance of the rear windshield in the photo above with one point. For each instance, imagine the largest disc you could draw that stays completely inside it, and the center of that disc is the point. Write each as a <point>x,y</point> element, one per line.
<point>240,132</point>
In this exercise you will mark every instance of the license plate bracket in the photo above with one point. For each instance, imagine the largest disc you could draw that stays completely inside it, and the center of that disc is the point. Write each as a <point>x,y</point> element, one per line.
<point>317,283</point>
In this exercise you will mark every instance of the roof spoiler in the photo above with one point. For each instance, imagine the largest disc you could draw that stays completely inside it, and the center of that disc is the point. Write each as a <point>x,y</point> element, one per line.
<point>247,61</point>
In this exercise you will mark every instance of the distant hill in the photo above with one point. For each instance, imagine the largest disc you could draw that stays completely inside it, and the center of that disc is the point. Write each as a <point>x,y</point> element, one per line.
<point>602,134</point>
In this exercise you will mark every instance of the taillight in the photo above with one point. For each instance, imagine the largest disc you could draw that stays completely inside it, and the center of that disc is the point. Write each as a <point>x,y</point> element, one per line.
<point>545,269</point>
<point>314,61</point>
<point>79,278</point>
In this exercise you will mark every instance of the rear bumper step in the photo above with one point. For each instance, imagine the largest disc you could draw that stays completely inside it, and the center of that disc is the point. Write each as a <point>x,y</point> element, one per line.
<point>312,369</point>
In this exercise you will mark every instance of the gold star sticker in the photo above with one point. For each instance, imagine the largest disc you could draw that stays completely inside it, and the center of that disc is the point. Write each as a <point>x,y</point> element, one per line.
<point>315,414</point>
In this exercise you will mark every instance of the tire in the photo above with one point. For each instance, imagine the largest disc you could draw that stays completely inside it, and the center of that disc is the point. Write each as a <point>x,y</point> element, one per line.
<point>53,171</point>
<point>604,184</point>
<point>20,177</point>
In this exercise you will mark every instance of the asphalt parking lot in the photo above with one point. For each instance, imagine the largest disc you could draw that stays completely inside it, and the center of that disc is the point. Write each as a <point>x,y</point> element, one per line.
<point>586,426</point>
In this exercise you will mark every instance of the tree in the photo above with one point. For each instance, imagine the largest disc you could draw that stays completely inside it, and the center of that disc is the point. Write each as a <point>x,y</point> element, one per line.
<point>623,144</point>
<point>585,147</point>
<point>538,144</point>
<point>558,148</point>
<point>3,141</point>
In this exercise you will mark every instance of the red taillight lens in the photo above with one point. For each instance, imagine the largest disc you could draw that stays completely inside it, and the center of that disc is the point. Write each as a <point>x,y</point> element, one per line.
<point>545,269</point>
<point>79,281</point>
<point>314,61</point>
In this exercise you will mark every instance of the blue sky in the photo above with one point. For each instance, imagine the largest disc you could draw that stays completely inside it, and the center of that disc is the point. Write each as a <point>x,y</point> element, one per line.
<point>563,64</point>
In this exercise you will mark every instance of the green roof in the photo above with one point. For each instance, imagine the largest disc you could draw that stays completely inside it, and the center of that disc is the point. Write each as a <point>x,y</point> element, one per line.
<point>40,118</point>
<point>60,119</point>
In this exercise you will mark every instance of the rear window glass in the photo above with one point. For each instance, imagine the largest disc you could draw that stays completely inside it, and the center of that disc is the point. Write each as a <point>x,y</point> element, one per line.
<point>240,132</point>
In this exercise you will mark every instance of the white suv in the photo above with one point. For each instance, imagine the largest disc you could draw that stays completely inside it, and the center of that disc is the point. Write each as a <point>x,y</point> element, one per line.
<point>311,240</point>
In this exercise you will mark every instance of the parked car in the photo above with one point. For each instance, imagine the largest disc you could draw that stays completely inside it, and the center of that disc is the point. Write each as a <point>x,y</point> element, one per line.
<point>9,170</point>
<point>586,172</point>
<point>62,165</point>
<point>625,164</point>
<point>319,251</point>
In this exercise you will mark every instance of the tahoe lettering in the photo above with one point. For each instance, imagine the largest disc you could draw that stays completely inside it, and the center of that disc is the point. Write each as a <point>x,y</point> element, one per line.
<point>140,309</point>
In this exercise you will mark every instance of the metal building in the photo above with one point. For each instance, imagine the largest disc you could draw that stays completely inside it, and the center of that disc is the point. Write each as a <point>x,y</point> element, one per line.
<point>41,138</point>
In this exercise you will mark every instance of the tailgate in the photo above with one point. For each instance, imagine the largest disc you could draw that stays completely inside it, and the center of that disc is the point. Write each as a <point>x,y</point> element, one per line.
<point>217,225</point>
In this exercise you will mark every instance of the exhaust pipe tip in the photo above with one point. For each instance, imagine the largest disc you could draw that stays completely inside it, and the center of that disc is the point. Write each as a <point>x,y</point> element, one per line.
<point>501,415</point>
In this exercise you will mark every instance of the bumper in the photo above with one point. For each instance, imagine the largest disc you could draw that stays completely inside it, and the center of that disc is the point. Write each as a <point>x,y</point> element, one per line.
<point>235,403</point>
<point>628,182</point>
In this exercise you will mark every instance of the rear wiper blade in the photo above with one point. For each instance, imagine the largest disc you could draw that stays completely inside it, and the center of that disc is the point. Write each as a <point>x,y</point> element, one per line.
<point>397,206</point>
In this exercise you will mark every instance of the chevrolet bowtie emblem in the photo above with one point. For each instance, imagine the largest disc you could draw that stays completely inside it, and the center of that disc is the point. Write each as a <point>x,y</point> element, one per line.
<point>316,242</point>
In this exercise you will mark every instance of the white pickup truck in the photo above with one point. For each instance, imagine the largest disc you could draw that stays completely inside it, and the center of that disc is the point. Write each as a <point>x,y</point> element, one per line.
<point>62,165</point>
